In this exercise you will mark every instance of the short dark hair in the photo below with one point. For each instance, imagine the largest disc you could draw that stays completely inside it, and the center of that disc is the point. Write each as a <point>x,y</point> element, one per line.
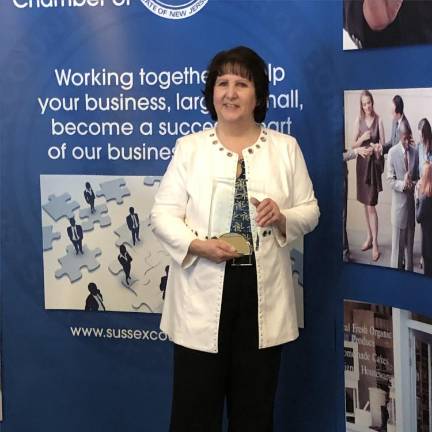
<point>405,128</point>
<point>246,63</point>
<point>399,105</point>
<point>93,288</point>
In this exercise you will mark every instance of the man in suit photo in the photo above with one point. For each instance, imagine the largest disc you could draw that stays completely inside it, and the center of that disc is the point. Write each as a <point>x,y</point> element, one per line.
<point>402,175</point>
<point>133,224</point>
<point>89,196</point>
<point>398,115</point>
<point>75,234</point>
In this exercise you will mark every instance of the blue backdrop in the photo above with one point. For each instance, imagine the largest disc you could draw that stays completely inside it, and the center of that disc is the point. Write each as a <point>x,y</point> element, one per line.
<point>53,381</point>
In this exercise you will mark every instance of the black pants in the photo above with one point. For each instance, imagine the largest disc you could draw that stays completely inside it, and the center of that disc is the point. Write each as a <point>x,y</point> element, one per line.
<point>78,246</point>
<point>240,372</point>
<point>135,235</point>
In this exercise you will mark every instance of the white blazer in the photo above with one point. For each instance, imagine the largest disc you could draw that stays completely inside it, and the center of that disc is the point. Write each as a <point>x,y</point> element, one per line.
<point>195,200</point>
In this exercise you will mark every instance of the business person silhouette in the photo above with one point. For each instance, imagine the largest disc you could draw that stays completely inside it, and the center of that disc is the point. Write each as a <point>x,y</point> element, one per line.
<point>89,196</point>
<point>94,301</point>
<point>125,260</point>
<point>133,224</point>
<point>163,282</point>
<point>75,234</point>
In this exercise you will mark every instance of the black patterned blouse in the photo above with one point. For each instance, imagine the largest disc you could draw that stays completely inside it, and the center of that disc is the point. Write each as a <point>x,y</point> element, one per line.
<point>240,222</point>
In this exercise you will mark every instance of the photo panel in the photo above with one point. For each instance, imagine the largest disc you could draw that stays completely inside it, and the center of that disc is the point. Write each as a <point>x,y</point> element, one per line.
<point>99,251</point>
<point>388,364</point>
<point>387,216</point>
<point>383,23</point>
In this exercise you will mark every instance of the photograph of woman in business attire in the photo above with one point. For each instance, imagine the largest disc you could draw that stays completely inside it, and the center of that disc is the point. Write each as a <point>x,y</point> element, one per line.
<point>424,215</point>
<point>369,134</point>
<point>228,314</point>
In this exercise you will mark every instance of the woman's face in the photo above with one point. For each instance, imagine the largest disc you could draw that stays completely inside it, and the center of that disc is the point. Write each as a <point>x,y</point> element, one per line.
<point>366,104</point>
<point>234,99</point>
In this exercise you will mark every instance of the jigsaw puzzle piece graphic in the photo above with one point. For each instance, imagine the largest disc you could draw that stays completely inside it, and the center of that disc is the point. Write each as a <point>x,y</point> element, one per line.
<point>115,268</point>
<point>98,216</point>
<point>113,190</point>
<point>142,304</point>
<point>48,236</point>
<point>297,264</point>
<point>60,206</point>
<point>71,263</point>
<point>125,236</point>
<point>151,180</point>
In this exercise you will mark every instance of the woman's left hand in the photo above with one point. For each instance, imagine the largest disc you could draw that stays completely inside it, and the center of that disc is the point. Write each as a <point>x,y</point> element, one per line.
<point>268,212</point>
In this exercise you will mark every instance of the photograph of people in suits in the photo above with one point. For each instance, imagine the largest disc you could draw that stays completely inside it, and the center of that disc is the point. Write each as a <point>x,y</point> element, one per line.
<point>125,260</point>
<point>389,170</point>
<point>94,301</point>
<point>89,196</point>
<point>75,234</point>
<point>133,224</point>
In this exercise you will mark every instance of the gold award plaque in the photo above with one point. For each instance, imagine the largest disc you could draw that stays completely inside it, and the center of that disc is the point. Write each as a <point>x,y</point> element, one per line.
<point>238,241</point>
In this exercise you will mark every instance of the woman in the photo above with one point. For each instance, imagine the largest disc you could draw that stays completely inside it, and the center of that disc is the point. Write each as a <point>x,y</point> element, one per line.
<point>424,148</point>
<point>425,144</point>
<point>424,215</point>
<point>228,314</point>
<point>369,133</point>
<point>94,301</point>
<point>125,260</point>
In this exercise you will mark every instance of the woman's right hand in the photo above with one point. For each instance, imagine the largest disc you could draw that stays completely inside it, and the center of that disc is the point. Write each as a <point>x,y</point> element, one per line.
<point>215,250</point>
